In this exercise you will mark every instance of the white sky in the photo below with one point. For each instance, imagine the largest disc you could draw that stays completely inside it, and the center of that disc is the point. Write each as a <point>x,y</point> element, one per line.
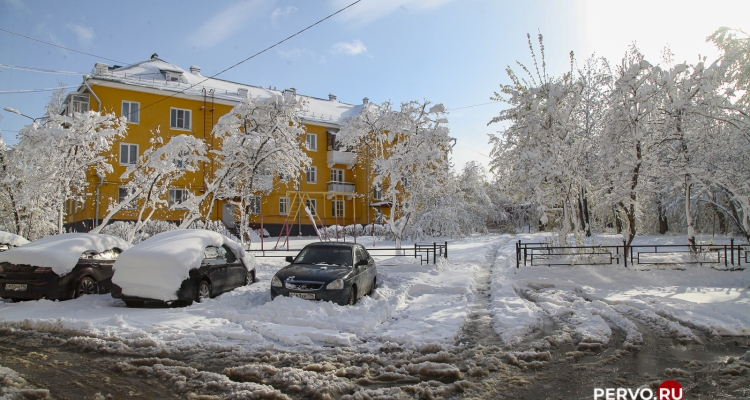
<point>447,51</point>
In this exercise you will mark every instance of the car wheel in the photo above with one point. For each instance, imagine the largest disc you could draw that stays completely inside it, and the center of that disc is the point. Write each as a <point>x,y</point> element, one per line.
<point>134,303</point>
<point>372,288</point>
<point>249,278</point>
<point>87,285</point>
<point>352,296</point>
<point>203,292</point>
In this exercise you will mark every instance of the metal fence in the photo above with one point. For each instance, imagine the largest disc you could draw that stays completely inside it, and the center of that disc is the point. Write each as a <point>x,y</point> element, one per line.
<point>729,254</point>
<point>425,252</point>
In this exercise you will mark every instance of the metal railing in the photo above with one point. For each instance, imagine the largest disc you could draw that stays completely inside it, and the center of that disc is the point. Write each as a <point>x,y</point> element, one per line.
<point>730,254</point>
<point>425,252</point>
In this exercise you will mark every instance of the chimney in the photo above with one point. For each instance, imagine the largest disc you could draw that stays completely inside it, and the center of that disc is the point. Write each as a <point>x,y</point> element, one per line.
<point>154,56</point>
<point>290,91</point>
<point>242,92</point>
<point>100,69</point>
<point>331,97</point>
<point>365,101</point>
<point>195,70</point>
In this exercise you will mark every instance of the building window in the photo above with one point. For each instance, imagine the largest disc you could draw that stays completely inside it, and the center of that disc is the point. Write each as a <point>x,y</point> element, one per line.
<point>312,141</point>
<point>73,206</point>
<point>180,162</point>
<point>179,119</point>
<point>337,175</point>
<point>253,206</point>
<point>312,174</point>
<point>122,194</point>
<point>338,208</point>
<point>176,197</point>
<point>377,192</point>
<point>311,205</point>
<point>128,154</point>
<point>130,111</point>
<point>283,206</point>
<point>378,217</point>
<point>79,103</point>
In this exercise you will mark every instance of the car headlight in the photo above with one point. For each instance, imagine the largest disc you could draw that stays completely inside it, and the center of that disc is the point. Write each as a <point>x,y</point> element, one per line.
<point>337,284</point>
<point>276,282</point>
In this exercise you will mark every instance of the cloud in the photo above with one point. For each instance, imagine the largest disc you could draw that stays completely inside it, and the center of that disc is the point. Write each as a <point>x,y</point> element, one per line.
<point>365,12</point>
<point>225,23</point>
<point>351,48</point>
<point>279,13</point>
<point>85,34</point>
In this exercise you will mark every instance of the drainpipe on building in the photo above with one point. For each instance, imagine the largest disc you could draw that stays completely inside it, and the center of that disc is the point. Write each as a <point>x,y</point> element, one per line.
<point>96,216</point>
<point>98,102</point>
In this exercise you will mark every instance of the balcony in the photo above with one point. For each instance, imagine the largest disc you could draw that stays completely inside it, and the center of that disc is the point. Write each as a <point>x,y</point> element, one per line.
<point>340,157</point>
<point>341,187</point>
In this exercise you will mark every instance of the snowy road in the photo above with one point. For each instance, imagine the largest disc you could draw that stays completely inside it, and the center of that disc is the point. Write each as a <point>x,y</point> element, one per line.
<point>472,327</point>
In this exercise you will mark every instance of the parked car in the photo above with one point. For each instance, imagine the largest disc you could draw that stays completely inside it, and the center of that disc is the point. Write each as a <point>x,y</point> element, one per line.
<point>60,267</point>
<point>181,266</point>
<point>337,272</point>
<point>10,240</point>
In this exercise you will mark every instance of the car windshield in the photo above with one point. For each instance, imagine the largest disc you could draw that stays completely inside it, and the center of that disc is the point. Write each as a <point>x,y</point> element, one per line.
<point>325,255</point>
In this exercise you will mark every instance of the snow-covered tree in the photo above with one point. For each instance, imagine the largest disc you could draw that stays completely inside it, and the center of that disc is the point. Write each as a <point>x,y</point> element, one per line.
<point>149,180</point>
<point>57,156</point>
<point>411,149</point>
<point>260,140</point>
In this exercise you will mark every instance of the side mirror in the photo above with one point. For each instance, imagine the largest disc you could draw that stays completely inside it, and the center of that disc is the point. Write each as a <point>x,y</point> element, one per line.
<point>290,259</point>
<point>361,262</point>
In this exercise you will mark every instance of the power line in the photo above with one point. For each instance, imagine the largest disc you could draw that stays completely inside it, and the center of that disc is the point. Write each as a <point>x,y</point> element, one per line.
<point>468,148</point>
<point>251,57</point>
<point>36,90</point>
<point>62,47</point>
<point>40,70</point>
<point>475,105</point>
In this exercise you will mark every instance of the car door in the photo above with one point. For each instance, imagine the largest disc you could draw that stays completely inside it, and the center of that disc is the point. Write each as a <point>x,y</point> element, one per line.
<point>235,269</point>
<point>216,268</point>
<point>368,270</point>
<point>361,271</point>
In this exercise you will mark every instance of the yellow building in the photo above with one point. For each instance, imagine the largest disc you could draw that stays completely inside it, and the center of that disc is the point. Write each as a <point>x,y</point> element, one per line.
<point>155,93</point>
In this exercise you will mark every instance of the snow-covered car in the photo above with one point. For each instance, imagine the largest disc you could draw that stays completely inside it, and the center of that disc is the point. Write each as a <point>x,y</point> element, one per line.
<point>337,272</point>
<point>181,266</point>
<point>60,267</point>
<point>10,240</point>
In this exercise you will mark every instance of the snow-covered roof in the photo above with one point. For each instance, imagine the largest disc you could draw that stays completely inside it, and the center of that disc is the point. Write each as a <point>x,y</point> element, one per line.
<point>12,239</point>
<point>156,267</point>
<point>151,74</point>
<point>61,252</point>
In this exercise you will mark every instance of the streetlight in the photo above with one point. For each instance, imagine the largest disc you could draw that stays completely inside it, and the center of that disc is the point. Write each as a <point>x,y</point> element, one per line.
<point>14,111</point>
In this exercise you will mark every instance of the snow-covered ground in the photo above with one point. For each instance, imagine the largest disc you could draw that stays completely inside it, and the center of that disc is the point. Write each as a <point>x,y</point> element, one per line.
<point>589,299</point>
<point>413,305</point>
<point>416,305</point>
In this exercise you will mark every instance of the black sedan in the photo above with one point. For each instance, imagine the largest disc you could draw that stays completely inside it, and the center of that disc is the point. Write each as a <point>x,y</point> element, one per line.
<point>337,272</point>
<point>182,266</point>
<point>60,267</point>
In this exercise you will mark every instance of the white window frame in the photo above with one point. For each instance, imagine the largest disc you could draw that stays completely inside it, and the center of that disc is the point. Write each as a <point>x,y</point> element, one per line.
<point>133,117</point>
<point>180,162</point>
<point>129,159</point>
<point>377,192</point>
<point>172,199</point>
<point>337,175</point>
<point>379,217</point>
<point>312,141</point>
<point>187,116</point>
<point>312,172</point>
<point>283,205</point>
<point>253,206</point>
<point>77,100</point>
<point>312,204</point>
<point>121,198</point>
<point>337,208</point>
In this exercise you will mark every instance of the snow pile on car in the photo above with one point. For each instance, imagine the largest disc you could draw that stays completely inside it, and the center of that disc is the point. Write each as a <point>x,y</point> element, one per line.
<point>156,267</point>
<point>12,239</point>
<point>61,252</point>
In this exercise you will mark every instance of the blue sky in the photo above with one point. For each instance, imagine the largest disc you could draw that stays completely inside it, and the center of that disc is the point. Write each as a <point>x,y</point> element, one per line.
<point>447,51</point>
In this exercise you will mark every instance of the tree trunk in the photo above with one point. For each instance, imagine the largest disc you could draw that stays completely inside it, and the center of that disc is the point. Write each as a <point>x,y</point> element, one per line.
<point>663,225</point>
<point>689,216</point>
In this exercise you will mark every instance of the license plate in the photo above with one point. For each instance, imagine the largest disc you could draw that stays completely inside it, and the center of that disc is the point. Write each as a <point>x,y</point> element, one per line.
<point>306,296</point>
<point>15,287</point>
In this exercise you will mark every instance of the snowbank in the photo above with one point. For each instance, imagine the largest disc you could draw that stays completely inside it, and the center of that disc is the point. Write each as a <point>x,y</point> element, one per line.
<point>155,268</point>
<point>61,252</point>
<point>12,239</point>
